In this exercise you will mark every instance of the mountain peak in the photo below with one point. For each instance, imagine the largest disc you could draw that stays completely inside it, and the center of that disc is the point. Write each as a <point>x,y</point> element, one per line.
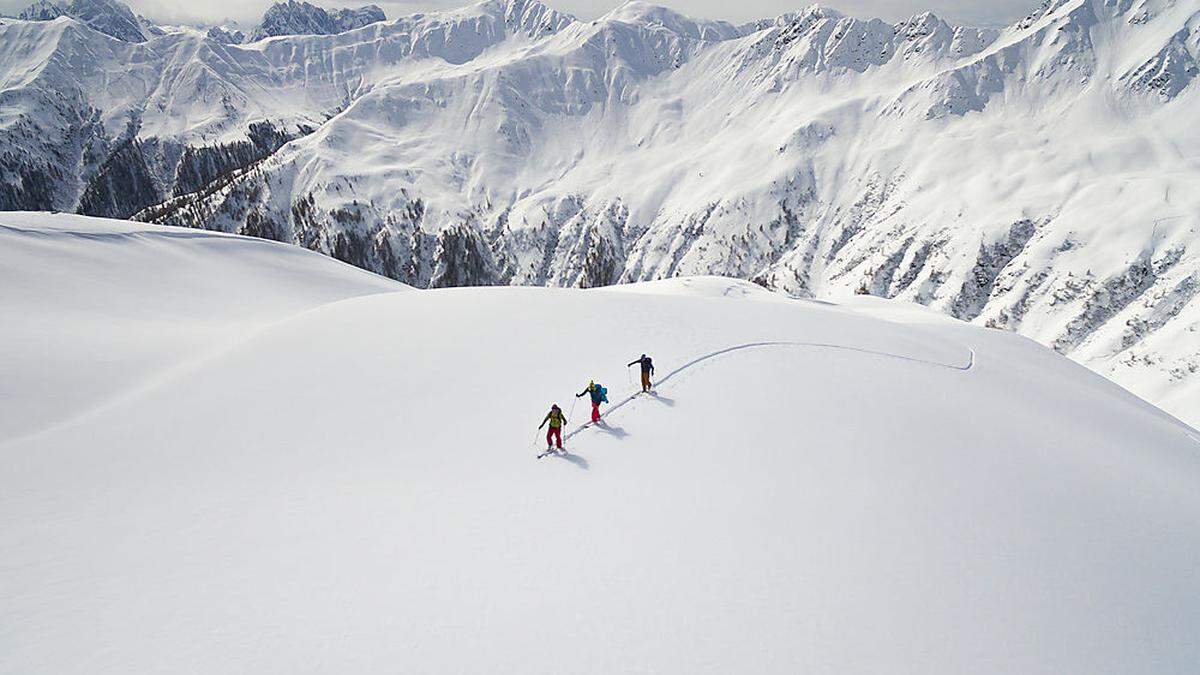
<point>923,25</point>
<point>924,19</point>
<point>810,13</point>
<point>42,10</point>
<point>226,35</point>
<point>638,12</point>
<point>530,17</point>
<point>110,17</point>
<point>295,17</point>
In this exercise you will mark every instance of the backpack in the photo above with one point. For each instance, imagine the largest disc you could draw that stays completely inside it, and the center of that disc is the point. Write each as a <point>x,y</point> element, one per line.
<point>603,393</point>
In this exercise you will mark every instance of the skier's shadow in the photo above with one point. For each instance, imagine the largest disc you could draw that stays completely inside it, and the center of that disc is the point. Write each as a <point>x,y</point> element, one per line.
<point>616,432</point>
<point>670,402</point>
<point>574,459</point>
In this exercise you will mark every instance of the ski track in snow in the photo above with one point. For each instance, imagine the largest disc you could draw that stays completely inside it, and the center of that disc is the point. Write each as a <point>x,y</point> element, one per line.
<point>766,345</point>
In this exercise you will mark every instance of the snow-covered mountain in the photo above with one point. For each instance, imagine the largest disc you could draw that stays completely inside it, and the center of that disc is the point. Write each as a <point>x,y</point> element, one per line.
<point>226,455</point>
<point>226,35</point>
<point>302,18</point>
<point>110,17</point>
<point>1043,178</point>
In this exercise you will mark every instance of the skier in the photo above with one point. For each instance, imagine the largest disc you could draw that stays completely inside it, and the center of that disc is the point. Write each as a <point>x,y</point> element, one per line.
<point>599,395</point>
<point>554,434</point>
<point>647,371</point>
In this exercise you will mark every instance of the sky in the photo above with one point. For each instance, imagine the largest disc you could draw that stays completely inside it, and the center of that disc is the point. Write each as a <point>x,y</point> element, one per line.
<point>969,12</point>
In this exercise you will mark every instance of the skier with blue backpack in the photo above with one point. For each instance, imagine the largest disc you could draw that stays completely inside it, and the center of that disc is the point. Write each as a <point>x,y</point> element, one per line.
<point>599,395</point>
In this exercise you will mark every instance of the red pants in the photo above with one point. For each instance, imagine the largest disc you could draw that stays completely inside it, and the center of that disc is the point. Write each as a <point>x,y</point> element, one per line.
<point>595,412</point>
<point>554,434</point>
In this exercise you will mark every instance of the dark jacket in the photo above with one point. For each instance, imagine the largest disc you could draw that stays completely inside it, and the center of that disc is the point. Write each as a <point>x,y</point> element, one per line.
<point>647,364</point>
<point>594,390</point>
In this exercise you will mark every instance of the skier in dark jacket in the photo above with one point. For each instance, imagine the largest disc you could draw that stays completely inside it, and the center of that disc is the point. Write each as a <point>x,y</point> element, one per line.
<point>597,393</point>
<point>647,371</point>
<point>554,434</point>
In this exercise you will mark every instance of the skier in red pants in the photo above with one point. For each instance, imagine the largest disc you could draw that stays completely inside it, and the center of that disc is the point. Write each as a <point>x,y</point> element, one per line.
<point>599,395</point>
<point>554,434</point>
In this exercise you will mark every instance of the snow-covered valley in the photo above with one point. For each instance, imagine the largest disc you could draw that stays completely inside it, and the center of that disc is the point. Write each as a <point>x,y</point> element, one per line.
<point>255,459</point>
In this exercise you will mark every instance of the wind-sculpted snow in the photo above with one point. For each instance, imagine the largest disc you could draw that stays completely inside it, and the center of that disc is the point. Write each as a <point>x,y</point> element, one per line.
<point>815,153</point>
<point>145,282</point>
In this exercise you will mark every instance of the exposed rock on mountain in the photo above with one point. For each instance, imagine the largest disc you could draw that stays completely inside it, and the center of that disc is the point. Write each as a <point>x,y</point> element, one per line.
<point>302,18</point>
<point>106,16</point>
<point>225,35</point>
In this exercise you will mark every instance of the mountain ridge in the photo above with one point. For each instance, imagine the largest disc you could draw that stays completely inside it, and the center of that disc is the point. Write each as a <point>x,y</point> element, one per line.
<point>815,153</point>
<point>111,17</point>
<point>295,17</point>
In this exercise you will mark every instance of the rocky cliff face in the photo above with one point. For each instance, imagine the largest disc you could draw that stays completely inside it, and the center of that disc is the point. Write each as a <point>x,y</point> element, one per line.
<point>110,17</point>
<point>302,18</point>
<point>224,35</point>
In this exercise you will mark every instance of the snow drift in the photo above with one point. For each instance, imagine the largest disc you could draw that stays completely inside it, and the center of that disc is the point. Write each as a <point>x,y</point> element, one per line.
<point>347,480</point>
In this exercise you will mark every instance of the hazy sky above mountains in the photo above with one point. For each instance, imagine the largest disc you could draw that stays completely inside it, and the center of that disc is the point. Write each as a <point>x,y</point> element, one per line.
<point>972,12</point>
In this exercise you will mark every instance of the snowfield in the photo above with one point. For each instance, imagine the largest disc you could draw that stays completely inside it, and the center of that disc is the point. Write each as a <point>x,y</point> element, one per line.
<point>227,455</point>
<point>88,316</point>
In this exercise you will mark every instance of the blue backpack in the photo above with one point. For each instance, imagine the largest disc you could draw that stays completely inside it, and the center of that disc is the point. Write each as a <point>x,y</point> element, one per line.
<point>603,393</point>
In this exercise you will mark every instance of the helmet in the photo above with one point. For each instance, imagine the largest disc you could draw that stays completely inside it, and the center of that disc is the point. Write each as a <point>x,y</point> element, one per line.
<point>554,407</point>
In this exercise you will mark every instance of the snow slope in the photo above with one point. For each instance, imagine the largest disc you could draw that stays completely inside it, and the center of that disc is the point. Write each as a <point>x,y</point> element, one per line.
<point>353,488</point>
<point>95,309</point>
